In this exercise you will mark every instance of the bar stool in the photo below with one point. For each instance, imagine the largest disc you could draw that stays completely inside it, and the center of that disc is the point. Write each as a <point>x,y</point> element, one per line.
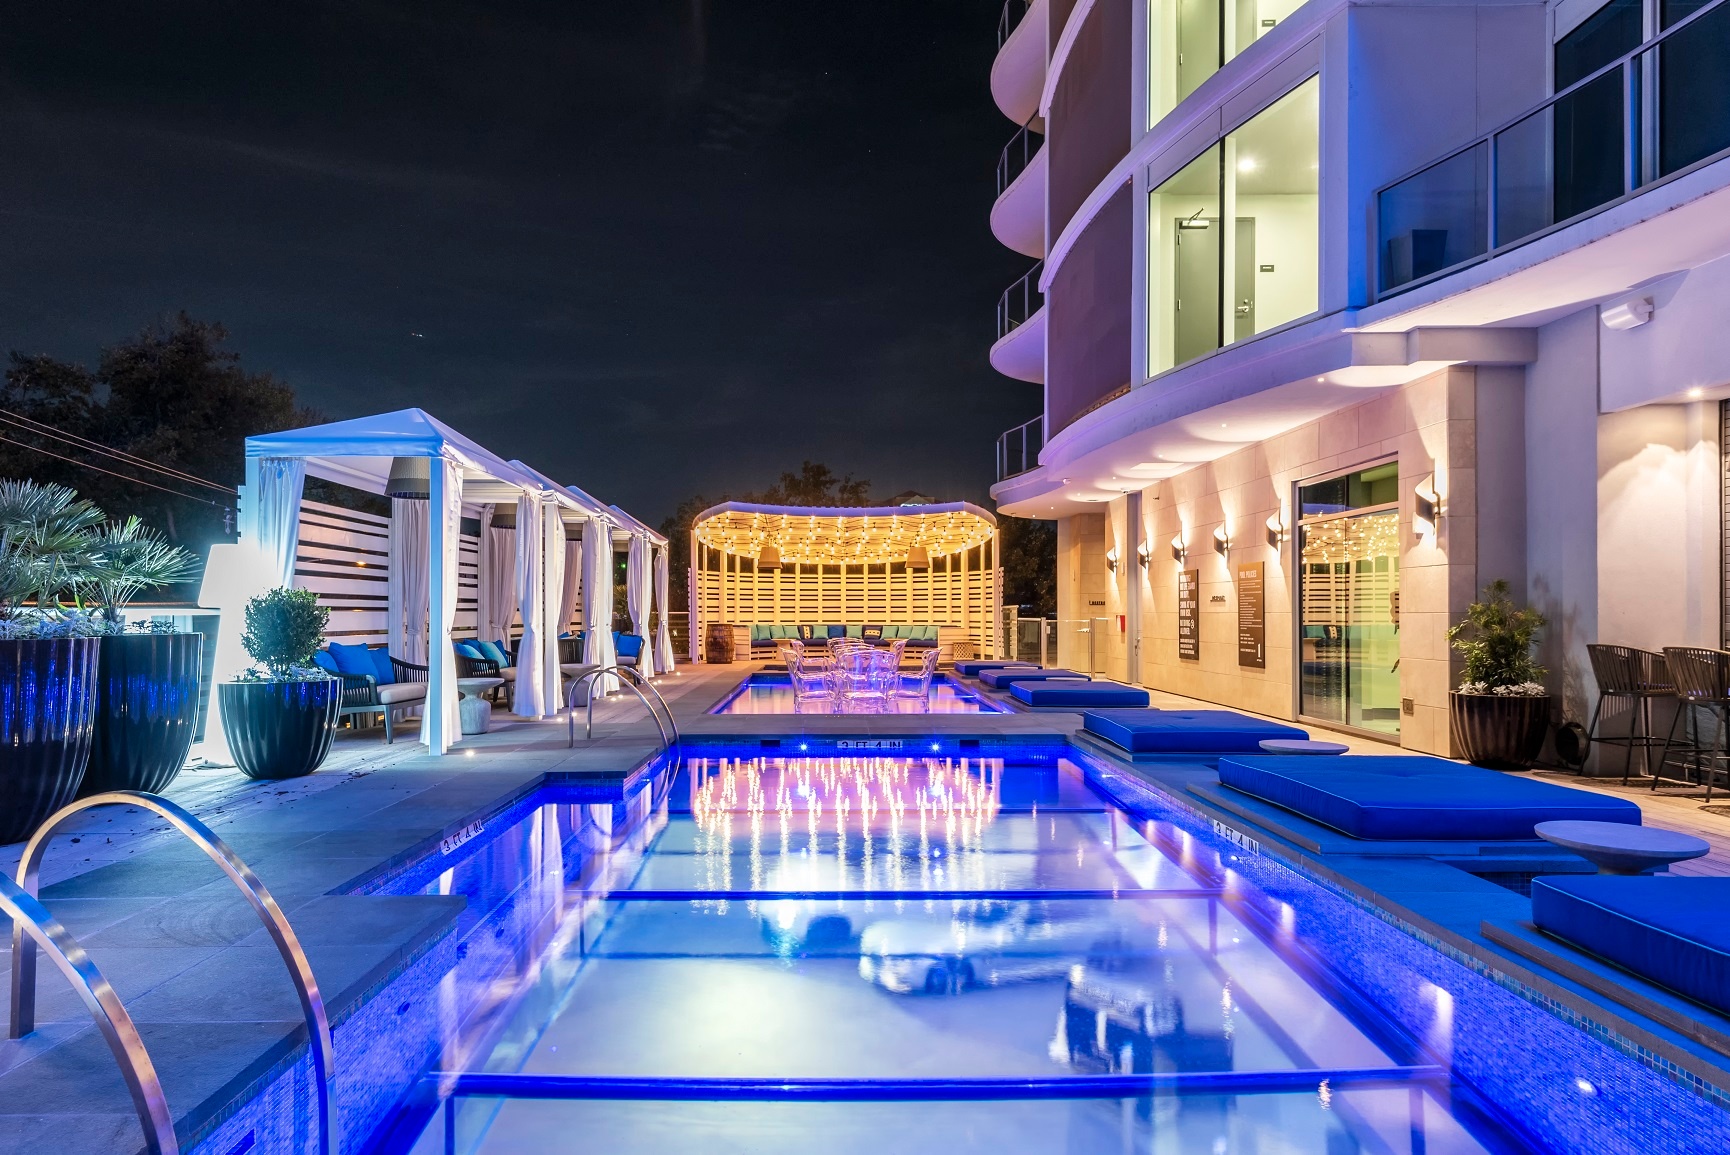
<point>1629,679</point>
<point>1702,680</point>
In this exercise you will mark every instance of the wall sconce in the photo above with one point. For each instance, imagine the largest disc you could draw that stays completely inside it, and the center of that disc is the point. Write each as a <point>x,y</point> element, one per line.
<point>1427,507</point>
<point>1276,529</point>
<point>1143,553</point>
<point>1111,559</point>
<point>1178,550</point>
<point>1628,315</point>
<point>1221,540</point>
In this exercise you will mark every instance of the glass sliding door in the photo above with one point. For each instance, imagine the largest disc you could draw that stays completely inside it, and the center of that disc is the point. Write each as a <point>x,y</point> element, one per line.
<point>1349,600</point>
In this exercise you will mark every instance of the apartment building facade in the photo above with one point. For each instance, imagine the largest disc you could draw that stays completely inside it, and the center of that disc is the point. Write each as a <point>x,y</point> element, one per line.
<point>1343,311</point>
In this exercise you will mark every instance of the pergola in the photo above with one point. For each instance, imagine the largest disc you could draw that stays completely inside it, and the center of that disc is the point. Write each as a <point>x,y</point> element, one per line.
<point>441,471</point>
<point>909,564</point>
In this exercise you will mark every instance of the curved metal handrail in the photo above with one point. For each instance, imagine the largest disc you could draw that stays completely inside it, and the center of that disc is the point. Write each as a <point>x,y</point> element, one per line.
<point>634,682</point>
<point>257,894</point>
<point>30,917</point>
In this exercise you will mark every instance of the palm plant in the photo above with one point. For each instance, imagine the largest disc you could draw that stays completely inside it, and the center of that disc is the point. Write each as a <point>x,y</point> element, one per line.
<point>126,558</point>
<point>46,536</point>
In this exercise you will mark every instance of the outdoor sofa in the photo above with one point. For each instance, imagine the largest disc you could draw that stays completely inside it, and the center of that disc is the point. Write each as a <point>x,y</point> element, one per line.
<point>767,637</point>
<point>374,682</point>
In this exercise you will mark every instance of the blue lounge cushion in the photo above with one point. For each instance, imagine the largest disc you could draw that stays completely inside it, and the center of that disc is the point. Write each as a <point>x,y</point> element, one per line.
<point>1188,731</point>
<point>972,669</point>
<point>382,669</point>
<point>1416,796</point>
<point>1057,692</point>
<point>353,659</point>
<point>628,645</point>
<point>1668,930</point>
<point>325,662</point>
<point>1003,677</point>
<point>492,652</point>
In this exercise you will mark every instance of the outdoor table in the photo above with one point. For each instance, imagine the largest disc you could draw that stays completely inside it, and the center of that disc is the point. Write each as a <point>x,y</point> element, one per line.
<point>1620,848</point>
<point>571,671</point>
<point>475,711</point>
<point>1301,746</point>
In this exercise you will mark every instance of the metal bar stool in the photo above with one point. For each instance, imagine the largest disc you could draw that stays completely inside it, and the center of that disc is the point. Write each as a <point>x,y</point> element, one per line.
<point>1629,679</point>
<point>1702,680</point>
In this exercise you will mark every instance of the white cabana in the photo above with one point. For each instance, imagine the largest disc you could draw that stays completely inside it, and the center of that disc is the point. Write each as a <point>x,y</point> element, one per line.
<point>578,512</point>
<point>644,591</point>
<point>360,453</point>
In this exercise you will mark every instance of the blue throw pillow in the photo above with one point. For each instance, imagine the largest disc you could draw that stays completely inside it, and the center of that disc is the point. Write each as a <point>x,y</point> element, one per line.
<point>837,631</point>
<point>467,650</point>
<point>355,660</point>
<point>491,652</point>
<point>381,667</point>
<point>325,662</point>
<point>628,645</point>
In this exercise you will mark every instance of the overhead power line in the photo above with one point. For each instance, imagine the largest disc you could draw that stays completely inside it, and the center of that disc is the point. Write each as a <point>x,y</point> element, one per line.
<point>111,473</point>
<point>31,425</point>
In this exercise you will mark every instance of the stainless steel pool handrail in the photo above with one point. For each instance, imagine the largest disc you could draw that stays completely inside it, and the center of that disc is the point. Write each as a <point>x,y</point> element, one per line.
<point>32,922</point>
<point>257,894</point>
<point>634,682</point>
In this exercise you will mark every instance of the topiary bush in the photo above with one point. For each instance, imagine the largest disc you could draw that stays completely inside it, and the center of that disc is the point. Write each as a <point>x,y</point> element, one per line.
<point>283,630</point>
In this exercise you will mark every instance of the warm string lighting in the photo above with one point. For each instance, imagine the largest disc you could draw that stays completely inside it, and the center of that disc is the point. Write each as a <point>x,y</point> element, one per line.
<point>843,539</point>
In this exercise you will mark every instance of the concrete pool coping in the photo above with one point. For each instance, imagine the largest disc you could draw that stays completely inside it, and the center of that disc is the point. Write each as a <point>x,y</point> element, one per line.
<point>181,948</point>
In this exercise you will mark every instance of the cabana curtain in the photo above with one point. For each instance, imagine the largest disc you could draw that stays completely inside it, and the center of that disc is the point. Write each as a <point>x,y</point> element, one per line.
<point>573,581</point>
<point>552,593</point>
<point>277,513</point>
<point>496,597</point>
<point>638,585</point>
<point>440,723</point>
<point>406,615</point>
<point>663,634</point>
<point>527,701</point>
<point>598,601</point>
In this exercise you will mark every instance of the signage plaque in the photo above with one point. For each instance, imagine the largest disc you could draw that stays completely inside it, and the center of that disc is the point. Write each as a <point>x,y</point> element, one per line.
<point>1251,582</point>
<point>1189,614</point>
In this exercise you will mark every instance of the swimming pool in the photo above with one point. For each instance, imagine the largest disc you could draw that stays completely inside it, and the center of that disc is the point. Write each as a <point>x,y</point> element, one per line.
<point>764,693</point>
<point>954,954</point>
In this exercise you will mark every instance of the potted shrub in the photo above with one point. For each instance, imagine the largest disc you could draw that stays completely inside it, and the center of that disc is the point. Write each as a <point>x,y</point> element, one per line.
<point>48,655</point>
<point>147,679</point>
<point>1501,711</point>
<point>280,715</point>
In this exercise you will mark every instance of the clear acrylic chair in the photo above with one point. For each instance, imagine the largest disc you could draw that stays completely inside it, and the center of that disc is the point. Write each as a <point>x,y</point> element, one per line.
<point>917,687</point>
<point>863,682</point>
<point>813,687</point>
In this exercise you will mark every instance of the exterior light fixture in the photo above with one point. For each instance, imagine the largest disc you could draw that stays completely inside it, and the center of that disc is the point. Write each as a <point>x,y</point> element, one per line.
<point>769,558</point>
<point>1143,553</point>
<point>1276,528</point>
<point>505,515</point>
<point>1627,315</point>
<point>410,478</point>
<point>918,557</point>
<point>1221,540</point>
<point>1427,507</point>
<point>1178,550</point>
<point>1111,559</point>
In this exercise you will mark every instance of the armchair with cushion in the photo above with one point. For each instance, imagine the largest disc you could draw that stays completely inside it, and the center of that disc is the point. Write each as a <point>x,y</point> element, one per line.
<point>628,649</point>
<point>374,682</point>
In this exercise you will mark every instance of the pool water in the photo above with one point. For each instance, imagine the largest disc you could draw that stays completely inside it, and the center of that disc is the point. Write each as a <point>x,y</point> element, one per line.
<point>945,954</point>
<point>773,694</point>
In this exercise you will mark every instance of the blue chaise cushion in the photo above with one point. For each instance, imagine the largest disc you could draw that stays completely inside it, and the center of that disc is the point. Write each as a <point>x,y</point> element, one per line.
<point>353,659</point>
<point>1186,731</point>
<point>974,669</point>
<point>1003,677</point>
<point>1060,692</point>
<point>1668,930</point>
<point>1416,797</point>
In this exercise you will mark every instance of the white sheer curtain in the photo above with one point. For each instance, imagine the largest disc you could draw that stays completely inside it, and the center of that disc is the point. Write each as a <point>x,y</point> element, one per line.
<point>663,633</point>
<point>639,583</point>
<point>552,594</point>
<point>527,699</point>
<point>406,611</point>
<point>496,596</point>
<point>573,579</point>
<point>440,723</point>
<point>598,600</point>
<point>276,517</point>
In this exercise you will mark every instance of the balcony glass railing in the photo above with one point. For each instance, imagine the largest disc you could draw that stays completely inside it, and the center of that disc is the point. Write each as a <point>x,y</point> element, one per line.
<point>1018,449</point>
<point>1020,301</point>
<point>1645,116</point>
<point>1010,19</point>
<point>1016,156</point>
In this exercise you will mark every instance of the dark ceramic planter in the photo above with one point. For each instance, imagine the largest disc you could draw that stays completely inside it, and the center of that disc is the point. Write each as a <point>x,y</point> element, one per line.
<point>280,729</point>
<point>47,709</point>
<point>146,711</point>
<point>1498,731</point>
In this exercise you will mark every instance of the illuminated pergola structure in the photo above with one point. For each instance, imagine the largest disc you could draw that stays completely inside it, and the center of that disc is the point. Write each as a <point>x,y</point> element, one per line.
<point>889,565</point>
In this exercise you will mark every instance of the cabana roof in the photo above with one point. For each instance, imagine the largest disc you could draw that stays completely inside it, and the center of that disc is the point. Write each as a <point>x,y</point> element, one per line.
<point>637,527</point>
<point>358,452</point>
<point>808,534</point>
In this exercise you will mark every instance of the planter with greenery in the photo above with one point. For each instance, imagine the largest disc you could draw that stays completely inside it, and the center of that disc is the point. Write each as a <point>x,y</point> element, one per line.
<point>1501,711</point>
<point>280,716</point>
<point>148,679</point>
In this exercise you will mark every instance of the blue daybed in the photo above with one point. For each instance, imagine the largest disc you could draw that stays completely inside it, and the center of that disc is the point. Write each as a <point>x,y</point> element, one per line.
<point>1670,931</point>
<point>1184,731</point>
<point>1002,679</point>
<point>973,669</point>
<point>1077,695</point>
<point>1415,797</point>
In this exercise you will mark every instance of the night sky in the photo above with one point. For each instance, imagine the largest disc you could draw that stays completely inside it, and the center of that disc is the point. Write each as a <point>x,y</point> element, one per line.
<point>654,247</point>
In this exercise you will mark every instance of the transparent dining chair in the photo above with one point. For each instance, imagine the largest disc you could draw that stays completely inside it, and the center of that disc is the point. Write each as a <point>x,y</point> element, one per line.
<point>917,686</point>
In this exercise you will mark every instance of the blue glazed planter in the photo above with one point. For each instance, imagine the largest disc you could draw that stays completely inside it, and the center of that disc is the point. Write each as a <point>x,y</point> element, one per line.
<point>47,711</point>
<point>146,711</point>
<point>280,729</point>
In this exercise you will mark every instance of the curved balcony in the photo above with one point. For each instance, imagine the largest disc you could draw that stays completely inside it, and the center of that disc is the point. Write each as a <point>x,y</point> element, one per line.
<point>1018,215</point>
<point>1018,73</point>
<point>1018,449</point>
<point>1019,351</point>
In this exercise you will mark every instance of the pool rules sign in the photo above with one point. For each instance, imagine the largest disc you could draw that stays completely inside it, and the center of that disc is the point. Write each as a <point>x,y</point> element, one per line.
<point>1250,580</point>
<point>1188,614</point>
